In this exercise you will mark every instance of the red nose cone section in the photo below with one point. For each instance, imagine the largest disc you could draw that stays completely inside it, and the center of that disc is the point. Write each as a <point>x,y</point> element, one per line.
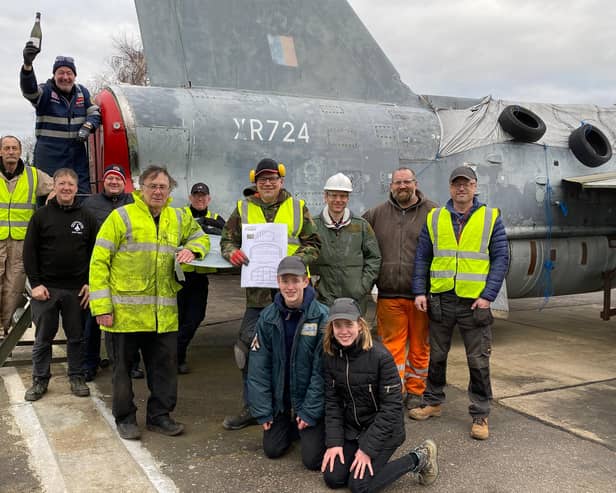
<point>110,143</point>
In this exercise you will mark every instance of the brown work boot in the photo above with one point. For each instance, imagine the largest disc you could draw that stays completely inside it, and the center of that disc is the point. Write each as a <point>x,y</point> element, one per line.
<point>425,412</point>
<point>427,462</point>
<point>479,430</point>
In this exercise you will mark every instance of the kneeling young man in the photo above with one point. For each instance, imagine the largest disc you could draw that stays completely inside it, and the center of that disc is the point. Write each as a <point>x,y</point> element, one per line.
<point>285,384</point>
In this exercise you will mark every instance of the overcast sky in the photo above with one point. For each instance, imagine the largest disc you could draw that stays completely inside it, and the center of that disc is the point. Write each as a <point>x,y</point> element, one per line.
<point>522,50</point>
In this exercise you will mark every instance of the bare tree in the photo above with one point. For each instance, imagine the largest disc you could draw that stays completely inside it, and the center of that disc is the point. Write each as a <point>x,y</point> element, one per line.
<point>27,148</point>
<point>128,64</point>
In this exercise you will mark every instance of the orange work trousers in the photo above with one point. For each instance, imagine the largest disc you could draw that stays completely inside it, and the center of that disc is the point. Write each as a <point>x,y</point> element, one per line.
<point>403,329</point>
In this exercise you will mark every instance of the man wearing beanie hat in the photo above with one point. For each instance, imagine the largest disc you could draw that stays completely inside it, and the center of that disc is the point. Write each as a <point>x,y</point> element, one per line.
<point>266,202</point>
<point>100,206</point>
<point>65,116</point>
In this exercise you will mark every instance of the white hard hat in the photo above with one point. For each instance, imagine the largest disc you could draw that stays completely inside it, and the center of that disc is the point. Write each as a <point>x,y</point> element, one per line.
<point>338,182</point>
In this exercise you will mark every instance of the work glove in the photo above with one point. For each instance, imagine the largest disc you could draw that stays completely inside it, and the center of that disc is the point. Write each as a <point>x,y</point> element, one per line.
<point>84,133</point>
<point>238,258</point>
<point>30,52</point>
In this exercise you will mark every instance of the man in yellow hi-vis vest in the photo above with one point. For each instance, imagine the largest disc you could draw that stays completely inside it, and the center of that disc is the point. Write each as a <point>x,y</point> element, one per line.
<point>133,296</point>
<point>464,254</point>
<point>267,202</point>
<point>19,187</point>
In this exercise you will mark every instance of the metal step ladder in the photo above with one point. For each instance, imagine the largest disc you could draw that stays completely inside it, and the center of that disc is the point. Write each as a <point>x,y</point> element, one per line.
<point>22,320</point>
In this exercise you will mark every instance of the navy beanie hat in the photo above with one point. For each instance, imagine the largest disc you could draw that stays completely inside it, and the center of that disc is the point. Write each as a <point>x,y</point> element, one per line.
<point>64,61</point>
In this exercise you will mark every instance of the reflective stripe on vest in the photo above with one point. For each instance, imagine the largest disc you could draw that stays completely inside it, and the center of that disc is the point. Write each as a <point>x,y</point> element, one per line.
<point>17,208</point>
<point>65,125</point>
<point>290,212</point>
<point>142,251</point>
<point>462,265</point>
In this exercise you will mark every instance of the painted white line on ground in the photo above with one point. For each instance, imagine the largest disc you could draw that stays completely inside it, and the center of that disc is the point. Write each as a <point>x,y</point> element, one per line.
<point>138,452</point>
<point>42,459</point>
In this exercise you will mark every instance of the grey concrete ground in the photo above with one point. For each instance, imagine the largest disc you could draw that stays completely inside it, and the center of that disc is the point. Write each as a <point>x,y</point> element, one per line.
<point>553,424</point>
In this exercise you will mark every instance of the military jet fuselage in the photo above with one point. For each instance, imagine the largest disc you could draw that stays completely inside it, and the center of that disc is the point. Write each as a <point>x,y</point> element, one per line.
<point>305,83</point>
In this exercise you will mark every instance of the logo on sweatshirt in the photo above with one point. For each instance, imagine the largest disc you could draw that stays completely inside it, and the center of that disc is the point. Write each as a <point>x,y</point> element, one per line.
<point>77,227</point>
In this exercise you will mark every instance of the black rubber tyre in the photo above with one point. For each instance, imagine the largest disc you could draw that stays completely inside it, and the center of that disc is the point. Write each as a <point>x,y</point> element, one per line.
<point>522,124</point>
<point>590,145</point>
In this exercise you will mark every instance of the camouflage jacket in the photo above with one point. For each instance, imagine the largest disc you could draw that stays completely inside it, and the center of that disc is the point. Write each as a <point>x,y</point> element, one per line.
<point>231,239</point>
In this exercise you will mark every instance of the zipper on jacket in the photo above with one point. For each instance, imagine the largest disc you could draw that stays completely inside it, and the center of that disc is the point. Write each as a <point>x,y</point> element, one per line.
<point>351,393</point>
<point>376,408</point>
<point>389,388</point>
<point>291,357</point>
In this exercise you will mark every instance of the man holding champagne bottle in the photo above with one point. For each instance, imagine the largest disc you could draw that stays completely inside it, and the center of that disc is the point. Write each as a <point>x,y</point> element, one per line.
<point>65,113</point>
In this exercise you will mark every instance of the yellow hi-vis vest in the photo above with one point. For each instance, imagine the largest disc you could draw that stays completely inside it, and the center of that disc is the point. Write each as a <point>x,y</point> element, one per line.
<point>290,212</point>
<point>462,265</point>
<point>132,266</point>
<point>194,268</point>
<point>17,208</point>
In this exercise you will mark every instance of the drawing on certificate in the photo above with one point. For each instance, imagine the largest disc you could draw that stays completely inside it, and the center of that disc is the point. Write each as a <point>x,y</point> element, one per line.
<point>265,245</point>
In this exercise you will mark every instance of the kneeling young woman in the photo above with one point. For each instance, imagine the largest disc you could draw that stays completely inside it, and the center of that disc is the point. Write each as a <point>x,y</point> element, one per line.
<point>364,417</point>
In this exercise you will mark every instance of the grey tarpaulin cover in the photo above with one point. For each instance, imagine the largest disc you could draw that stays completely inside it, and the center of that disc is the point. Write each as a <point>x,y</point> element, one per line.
<point>475,126</point>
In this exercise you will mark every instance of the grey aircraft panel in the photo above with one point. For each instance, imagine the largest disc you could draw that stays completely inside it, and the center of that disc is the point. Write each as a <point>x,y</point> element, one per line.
<point>365,123</point>
<point>318,48</point>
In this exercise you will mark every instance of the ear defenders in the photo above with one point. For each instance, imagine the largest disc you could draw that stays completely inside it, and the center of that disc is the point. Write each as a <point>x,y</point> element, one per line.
<point>282,171</point>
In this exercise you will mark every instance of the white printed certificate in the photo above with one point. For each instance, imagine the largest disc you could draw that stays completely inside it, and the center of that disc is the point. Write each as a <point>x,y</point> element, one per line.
<point>265,245</point>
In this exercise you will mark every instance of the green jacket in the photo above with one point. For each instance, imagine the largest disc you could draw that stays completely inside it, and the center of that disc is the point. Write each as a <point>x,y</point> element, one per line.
<point>349,260</point>
<point>231,239</point>
<point>132,270</point>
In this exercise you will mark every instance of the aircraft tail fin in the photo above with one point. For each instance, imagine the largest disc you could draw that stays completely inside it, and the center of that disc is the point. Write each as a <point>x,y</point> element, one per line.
<point>316,48</point>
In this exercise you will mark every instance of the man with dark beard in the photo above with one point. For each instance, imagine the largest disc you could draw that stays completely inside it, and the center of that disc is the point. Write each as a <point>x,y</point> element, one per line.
<point>397,224</point>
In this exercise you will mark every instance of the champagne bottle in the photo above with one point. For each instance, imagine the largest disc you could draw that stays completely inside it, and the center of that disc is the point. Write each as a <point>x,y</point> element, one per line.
<point>36,35</point>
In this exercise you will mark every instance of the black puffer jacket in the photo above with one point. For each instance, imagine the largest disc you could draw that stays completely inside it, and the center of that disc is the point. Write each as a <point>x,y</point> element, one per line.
<point>363,399</point>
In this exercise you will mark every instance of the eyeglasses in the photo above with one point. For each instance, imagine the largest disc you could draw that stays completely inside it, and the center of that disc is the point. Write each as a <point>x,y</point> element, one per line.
<point>268,179</point>
<point>153,187</point>
<point>463,184</point>
<point>408,183</point>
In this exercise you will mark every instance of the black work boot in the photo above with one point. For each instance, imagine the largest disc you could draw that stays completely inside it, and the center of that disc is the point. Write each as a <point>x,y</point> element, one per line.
<point>39,387</point>
<point>166,426</point>
<point>79,387</point>
<point>240,421</point>
<point>128,431</point>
